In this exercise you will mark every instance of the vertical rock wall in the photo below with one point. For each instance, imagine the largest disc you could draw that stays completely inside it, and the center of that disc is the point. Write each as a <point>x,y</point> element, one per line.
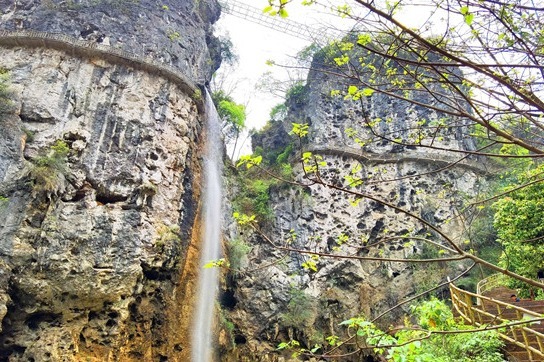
<point>277,299</point>
<point>99,247</point>
<point>178,33</point>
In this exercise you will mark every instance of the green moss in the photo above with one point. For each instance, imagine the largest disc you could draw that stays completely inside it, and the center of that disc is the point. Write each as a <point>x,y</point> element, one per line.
<point>167,235</point>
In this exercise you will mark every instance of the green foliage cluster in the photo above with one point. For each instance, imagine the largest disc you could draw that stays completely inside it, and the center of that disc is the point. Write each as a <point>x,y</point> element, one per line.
<point>227,326</point>
<point>422,342</point>
<point>237,250</point>
<point>254,197</point>
<point>276,160</point>
<point>518,221</point>
<point>256,184</point>
<point>435,315</point>
<point>278,112</point>
<point>173,35</point>
<point>226,49</point>
<point>301,310</point>
<point>49,171</point>
<point>6,93</point>
<point>297,94</point>
<point>232,113</point>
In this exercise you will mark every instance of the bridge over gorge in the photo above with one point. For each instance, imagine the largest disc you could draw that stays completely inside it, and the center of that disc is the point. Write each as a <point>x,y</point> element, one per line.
<point>255,15</point>
<point>522,322</point>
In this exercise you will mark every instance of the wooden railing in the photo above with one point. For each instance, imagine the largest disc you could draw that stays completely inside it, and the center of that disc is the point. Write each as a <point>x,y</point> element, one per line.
<point>491,282</point>
<point>87,49</point>
<point>490,312</point>
<point>443,161</point>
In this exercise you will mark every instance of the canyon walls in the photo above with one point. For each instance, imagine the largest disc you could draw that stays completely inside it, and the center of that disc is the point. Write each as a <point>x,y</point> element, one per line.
<point>281,294</point>
<point>100,178</point>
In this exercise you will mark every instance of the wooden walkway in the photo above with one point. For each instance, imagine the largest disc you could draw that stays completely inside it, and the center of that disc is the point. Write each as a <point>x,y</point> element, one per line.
<point>523,333</point>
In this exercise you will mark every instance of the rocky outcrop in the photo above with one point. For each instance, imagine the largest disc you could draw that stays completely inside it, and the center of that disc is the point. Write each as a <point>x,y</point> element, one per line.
<point>94,259</point>
<point>177,33</point>
<point>279,296</point>
<point>100,181</point>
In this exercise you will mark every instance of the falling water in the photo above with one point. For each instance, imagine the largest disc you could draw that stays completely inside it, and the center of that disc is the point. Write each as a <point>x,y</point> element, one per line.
<point>211,246</point>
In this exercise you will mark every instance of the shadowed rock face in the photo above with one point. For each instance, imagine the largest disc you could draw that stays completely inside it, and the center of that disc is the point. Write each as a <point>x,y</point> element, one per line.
<point>98,255</point>
<point>177,33</point>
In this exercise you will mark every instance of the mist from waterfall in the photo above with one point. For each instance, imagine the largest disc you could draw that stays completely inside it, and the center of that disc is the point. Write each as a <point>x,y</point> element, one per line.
<point>202,349</point>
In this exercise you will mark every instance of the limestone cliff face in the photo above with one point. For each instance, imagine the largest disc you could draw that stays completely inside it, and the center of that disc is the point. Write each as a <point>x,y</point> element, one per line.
<point>99,245</point>
<point>177,33</point>
<point>327,221</point>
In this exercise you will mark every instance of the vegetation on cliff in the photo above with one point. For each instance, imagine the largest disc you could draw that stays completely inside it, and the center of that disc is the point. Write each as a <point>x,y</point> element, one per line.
<point>472,94</point>
<point>6,93</point>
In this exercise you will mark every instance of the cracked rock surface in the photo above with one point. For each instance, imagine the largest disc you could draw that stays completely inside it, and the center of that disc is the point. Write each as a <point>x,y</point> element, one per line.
<point>330,222</point>
<point>93,267</point>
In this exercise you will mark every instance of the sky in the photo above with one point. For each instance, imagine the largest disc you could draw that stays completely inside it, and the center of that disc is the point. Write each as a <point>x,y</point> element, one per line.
<point>254,45</point>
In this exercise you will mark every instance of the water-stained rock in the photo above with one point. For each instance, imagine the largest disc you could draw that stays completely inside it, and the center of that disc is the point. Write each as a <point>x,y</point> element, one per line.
<point>96,269</point>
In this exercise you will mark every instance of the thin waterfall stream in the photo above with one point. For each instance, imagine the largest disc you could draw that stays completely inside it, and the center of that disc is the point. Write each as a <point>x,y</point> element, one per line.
<point>202,349</point>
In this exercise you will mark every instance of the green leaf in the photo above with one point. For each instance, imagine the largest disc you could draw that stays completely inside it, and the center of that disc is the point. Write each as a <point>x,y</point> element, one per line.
<point>283,345</point>
<point>352,90</point>
<point>364,39</point>
<point>300,129</point>
<point>214,263</point>
<point>367,92</point>
<point>469,19</point>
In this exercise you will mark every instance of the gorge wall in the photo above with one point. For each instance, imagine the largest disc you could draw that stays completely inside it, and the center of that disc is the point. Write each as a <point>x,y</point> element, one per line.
<point>100,178</point>
<point>276,298</point>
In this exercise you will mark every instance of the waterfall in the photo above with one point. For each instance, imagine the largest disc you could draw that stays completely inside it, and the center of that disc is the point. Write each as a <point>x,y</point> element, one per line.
<point>211,247</point>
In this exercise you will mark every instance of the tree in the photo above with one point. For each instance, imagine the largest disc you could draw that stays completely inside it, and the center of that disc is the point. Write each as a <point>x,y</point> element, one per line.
<point>482,79</point>
<point>518,220</point>
<point>232,114</point>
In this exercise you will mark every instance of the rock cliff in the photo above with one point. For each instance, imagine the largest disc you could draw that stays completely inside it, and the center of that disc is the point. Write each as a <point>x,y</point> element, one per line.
<point>100,178</point>
<point>277,299</point>
<point>177,33</point>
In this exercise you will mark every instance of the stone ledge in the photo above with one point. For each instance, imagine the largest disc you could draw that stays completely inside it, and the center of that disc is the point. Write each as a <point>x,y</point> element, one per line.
<point>87,49</point>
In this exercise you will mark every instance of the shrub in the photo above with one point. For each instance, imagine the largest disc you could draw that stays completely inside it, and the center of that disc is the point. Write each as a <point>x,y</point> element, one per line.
<point>49,171</point>
<point>237,251</point>
<point>435,315</point>
<point>296,94</point>
<point>6,94</point>
<point>301,310</point>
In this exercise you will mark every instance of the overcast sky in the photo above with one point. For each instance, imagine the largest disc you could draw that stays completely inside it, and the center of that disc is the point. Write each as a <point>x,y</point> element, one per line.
<point>255,44</point>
